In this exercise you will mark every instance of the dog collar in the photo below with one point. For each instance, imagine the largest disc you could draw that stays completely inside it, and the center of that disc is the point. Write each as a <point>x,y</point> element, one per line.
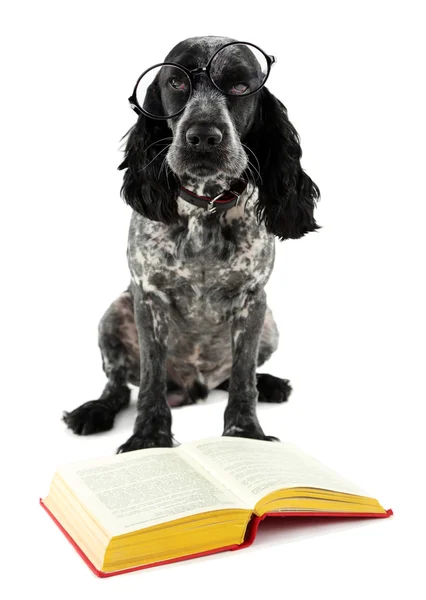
<point>220,203</point>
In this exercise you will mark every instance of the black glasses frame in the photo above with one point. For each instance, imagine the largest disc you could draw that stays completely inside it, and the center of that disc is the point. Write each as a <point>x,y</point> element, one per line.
<point>133,101</point>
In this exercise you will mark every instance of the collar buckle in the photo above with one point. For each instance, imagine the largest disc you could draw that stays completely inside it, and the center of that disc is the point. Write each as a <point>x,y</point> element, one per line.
<point>211,206</point>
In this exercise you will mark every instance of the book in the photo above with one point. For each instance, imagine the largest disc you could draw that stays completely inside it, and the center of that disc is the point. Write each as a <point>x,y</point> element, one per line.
<point>151,507</point>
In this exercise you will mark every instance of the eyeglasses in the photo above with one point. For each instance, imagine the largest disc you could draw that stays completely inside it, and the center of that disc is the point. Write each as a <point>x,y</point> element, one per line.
<point>237,69</point>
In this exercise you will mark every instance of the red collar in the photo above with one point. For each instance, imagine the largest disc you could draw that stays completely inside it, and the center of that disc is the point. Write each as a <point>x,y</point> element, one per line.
<point>223,201</point>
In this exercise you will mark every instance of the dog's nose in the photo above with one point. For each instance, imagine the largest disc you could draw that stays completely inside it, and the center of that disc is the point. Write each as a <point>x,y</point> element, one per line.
<point>203,137</point>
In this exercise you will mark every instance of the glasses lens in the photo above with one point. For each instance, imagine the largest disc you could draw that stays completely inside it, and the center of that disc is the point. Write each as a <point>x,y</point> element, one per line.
<point>163,91</point>
<point>239,69</point>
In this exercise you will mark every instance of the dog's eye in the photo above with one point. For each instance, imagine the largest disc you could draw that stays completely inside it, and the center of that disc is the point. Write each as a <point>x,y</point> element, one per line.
<point>239,88</point>
<point>178,84</point>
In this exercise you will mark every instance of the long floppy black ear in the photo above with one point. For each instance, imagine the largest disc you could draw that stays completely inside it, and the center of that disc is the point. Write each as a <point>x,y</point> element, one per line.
<point>287,195</point>
<point>148,187</point>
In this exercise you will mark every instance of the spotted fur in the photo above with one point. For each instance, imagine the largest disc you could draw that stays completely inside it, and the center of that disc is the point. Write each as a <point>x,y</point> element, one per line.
<point>195,317</point>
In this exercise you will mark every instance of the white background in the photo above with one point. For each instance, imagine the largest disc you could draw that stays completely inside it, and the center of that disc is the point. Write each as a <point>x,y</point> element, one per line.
<point>349,300</point>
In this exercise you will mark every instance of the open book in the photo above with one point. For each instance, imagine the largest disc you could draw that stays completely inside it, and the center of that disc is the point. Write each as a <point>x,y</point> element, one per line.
<point>153,506</point>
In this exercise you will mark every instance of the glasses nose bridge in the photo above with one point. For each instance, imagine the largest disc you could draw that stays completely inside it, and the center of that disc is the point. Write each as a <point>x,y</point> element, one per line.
<point>198,71</point>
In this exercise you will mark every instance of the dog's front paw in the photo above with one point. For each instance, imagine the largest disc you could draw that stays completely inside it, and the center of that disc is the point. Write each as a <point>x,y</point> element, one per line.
<point>91,417</point>
<point>273,389</point>
<point>139,442</point>
<point>251,430</point>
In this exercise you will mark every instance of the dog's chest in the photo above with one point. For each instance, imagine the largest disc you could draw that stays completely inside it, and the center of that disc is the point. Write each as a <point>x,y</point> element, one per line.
<point>203,267</point>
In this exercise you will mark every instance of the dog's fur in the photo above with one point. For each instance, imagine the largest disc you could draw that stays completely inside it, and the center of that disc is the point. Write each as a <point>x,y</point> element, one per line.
<point>194,317</point>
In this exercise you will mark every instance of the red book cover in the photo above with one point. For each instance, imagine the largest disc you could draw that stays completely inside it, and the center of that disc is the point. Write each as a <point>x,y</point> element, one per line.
<point>250,537</point>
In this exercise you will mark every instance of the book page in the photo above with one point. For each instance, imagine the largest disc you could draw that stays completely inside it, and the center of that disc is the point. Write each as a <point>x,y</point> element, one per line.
<point>139,489</point>
<point>253,469</point>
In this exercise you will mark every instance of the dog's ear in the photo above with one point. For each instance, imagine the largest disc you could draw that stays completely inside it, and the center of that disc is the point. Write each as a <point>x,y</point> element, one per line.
<point>287,195</point>
<point>147,186</point>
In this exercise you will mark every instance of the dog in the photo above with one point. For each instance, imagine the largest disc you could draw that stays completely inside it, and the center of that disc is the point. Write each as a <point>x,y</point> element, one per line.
<point>212,172</point>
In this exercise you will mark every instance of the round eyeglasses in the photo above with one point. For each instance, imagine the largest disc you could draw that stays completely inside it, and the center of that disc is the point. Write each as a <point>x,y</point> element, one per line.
<point>237,69</point>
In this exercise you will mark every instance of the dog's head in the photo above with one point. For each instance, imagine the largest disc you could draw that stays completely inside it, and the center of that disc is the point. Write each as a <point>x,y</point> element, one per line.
<point>216,138</point>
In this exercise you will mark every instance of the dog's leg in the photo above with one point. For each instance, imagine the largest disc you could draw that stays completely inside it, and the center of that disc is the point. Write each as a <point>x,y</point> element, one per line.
<point>270,388</point>
<point>153,422</point>
<point>120,361</point>
<point>98,415</point>
<point>240,414</point>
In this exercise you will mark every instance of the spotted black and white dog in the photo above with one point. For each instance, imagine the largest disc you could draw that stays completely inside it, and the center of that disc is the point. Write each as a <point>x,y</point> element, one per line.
<point>194,317</point>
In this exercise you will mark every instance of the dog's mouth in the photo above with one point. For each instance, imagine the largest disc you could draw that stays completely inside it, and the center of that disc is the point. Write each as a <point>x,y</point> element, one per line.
<point>205,165</point>
<point>183,161</point>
